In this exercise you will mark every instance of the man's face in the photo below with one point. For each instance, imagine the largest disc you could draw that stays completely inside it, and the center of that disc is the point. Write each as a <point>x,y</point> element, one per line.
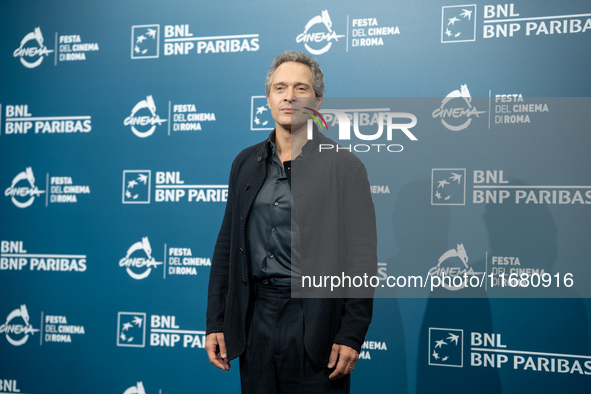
<point>291,89</point>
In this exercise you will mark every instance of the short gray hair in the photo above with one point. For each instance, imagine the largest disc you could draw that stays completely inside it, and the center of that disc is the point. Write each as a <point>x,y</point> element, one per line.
<point>298,57</point>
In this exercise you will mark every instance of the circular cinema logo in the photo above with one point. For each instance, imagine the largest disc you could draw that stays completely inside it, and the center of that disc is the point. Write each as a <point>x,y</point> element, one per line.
<point>452,265</point>
<point>23,196</point>
<point>139,265</point>
<point>321,39</point>
<point>456,110</point>
<point>17,327</point>
<point>142,124</point>
<point>31,51</point>
<point>137,389</point>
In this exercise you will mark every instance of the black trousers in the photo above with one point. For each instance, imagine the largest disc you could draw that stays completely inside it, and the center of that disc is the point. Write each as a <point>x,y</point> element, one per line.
<point>275,360</point>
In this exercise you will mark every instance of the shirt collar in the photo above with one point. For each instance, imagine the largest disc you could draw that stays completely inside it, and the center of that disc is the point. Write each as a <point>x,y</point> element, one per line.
<point>307,149</point>
<point>271,143</point>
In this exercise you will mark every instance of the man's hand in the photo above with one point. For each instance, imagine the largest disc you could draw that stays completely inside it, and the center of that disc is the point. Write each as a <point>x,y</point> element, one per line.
<point>346,356</point>
<point>216,350</point>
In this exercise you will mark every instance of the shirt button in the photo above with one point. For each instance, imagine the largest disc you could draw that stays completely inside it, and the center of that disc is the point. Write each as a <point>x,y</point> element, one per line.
<point>271,256</point>
<point>275,203</point>
<point>273,229</point>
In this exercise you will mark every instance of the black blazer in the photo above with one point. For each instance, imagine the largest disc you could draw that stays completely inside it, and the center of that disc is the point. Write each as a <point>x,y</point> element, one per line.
<point>331,195</point>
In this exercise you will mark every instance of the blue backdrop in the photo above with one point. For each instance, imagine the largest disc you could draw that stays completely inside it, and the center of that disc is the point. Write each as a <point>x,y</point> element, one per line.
<point>118,125</point>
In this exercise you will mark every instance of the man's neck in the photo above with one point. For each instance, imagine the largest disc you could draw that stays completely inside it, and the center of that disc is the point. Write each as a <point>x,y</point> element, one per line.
<point>289,143</point>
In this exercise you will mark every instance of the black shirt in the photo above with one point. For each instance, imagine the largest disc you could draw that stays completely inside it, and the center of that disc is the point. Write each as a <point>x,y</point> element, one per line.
<point>271,227</point>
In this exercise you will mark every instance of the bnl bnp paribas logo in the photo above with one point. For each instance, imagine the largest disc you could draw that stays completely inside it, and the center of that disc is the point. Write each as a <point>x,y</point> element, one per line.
<point>17,327</point>
<point>145,41</point>
<point>448,186</point>
<point>32,50</point>
<point>164,332</point>
<point>446,347</point>
<point>136,186</point>
<point>318,35</point>
<point>22,190</point>
<point>131,329</point>
<point>260,115</point>
<point>489,350</point>
<point>458,23</point>
<point>169,187</point>
<point>180,40</point>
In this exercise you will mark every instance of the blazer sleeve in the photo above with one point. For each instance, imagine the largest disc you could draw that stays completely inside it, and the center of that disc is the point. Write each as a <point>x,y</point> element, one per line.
<point>220,265</point>
<point>361,243</point>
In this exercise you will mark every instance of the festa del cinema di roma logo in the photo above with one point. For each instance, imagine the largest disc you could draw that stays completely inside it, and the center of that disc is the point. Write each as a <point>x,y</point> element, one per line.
<point>143,125</point>
<point>23,196</point>
<point>28,53</point>
<point>453,264</point>
<point>16,330</point>
<point>456,110</point>
<point>137,389</point>
<point>133,259</point>
<point>318,37</point>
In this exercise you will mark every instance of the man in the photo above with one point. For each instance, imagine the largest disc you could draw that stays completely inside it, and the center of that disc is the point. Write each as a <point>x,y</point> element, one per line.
<point>285,191</point>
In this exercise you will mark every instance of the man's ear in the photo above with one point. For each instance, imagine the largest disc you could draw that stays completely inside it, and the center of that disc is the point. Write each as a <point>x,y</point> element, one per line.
<point>318,103</point>
<point>268,105</point>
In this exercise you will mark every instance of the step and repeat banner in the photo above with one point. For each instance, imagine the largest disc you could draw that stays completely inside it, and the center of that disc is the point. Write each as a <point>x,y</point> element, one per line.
<point>119,122</point>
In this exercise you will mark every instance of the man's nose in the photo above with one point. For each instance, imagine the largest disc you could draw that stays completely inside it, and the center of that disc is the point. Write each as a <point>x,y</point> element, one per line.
<point>290,94</point>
